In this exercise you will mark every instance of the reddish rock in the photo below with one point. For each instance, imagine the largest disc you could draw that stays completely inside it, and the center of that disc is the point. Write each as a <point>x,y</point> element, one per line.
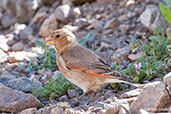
<point>16,101</point>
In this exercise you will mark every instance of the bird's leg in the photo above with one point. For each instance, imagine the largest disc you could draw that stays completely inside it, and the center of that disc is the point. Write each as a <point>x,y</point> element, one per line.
<point>76,103</point>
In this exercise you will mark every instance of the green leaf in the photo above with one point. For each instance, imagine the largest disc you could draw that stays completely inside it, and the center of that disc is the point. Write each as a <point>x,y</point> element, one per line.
<point>166,12</point>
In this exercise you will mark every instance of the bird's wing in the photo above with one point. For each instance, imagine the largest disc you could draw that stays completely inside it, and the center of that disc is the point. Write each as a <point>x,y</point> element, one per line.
<point>83,60</point>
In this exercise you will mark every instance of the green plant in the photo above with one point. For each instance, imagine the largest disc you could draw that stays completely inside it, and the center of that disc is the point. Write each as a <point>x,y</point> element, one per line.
<point>153,60</point>
<point>166,11</point>
<point>54,88</point>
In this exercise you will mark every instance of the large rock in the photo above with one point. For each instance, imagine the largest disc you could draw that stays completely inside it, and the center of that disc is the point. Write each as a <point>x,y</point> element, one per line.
<point>153,96</point>
<point>16,101</point>
<point>167,81</point>
<point>152,18</point>
<point>24,84</point>
<point>62,13</point>
<point>48,26</point>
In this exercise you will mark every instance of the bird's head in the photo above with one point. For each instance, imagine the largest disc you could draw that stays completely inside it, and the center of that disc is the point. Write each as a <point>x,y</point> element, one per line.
<point>62,39</point>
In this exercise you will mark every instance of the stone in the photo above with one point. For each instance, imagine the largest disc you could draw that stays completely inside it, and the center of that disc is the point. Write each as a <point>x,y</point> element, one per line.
<point>24,84</point>
<point>134,57</point>
<point>153,96</point>
<point>12,60</point>
<point>98,27</point>
<point>124,27</point>
<point>25,9</point>
<point>57,110</point>
<point>25,33</point>
<point>167,80</point>
<point>3,56</point>
<point>76,12</point>
<point>72,93</point>
<point>21,55</point>
<point>48,26</point>
<point>79,2</point>
<point>3,43</point>
<point>80,34</point>
<point>6,74</point>
<point>131,93</point>
<point>71,28</point>
<point>121,53</point>
<point>81,22</point>
<point>63,98</point>
<point>2,85</point>
<point>29,111</point>
<point>62,13</point>
<point>115,108</point>
<point>6,21</point>
<point>16,101</point>
<point>111,23</point>
<point>152,18</point>
<point>17,46</point>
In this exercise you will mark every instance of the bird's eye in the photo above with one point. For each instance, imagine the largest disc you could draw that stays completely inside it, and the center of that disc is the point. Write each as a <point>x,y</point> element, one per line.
<point>57,36</point>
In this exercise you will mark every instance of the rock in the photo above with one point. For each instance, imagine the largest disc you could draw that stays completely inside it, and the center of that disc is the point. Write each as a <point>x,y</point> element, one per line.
<point>111,23</point>
<point>25,33</point>
<point>76,12</point>
<point>134,57</point>
<point>12,60</point>
<point>81,22</point>
<point>3,43</point>
<point>121,53</point>
<point>17,46</point>
<point>153,96</point>
<point>124,28</point>
<point>114,109</point>
<point>25,9</point>
<point>99,27</point>
<point>29,111</point>
<point>24,84</point>
<point>3,56</point>
<point>167,80</point>
<point>72,93</point>
<point>21,55</point>
<point>48,2</point>
<point>57,110</point>
<point>131,93</point>
<point>6,74</point>
<point>62,13</point>
<point>2,85</point>
<point>16,101</point>
<point>80,34</point>
<point>152,18</point>
<point>79,2</point>
<point>48,26</point>
<point>63,98</point>
<point>71,28</point>
<point>68,2</point>
<point>7,21</point>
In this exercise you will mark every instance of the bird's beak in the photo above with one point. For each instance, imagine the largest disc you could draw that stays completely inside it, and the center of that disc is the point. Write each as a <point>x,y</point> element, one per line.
<point>49,40</point>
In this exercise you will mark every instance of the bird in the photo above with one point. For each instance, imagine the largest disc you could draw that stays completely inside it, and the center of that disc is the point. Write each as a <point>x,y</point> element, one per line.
<point>82,66</point>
